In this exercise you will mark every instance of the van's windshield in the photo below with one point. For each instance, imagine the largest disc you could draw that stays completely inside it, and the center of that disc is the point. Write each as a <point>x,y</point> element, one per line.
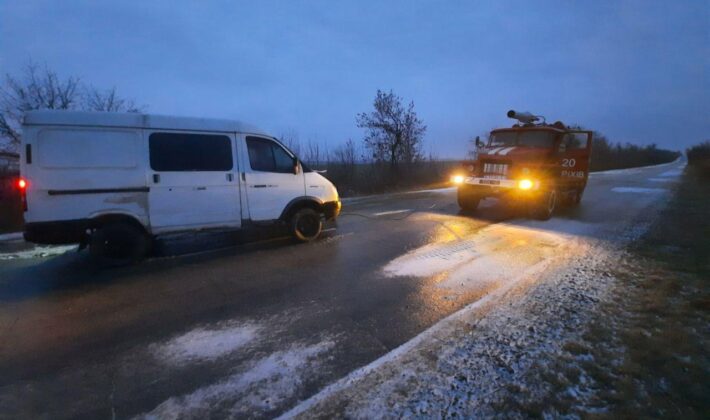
<point>541,139</point>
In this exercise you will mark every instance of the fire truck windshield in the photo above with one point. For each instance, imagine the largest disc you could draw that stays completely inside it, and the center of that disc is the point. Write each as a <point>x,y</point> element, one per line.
<point>542,139</point>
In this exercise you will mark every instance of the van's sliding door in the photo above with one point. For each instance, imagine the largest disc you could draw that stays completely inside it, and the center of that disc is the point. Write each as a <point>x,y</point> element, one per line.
<point>193,182</point>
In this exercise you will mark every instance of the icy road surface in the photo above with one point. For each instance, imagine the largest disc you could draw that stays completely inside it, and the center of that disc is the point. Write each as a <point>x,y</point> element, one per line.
<point>363,322</point>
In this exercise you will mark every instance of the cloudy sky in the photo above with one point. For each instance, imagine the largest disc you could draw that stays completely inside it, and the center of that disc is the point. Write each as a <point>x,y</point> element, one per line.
<point>636,70</point>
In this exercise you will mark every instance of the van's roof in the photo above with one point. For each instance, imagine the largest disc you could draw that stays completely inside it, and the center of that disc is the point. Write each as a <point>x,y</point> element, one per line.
<point>135,120</point>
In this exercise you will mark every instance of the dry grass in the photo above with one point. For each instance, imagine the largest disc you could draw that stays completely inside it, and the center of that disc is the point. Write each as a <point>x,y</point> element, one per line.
<point>646,354</point>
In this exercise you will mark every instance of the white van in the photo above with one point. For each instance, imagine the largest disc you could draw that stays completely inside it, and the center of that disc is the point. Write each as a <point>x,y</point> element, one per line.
<point>114,181</point>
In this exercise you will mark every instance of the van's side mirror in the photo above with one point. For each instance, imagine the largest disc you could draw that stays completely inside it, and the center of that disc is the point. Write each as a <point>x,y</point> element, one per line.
<point>296,165</point>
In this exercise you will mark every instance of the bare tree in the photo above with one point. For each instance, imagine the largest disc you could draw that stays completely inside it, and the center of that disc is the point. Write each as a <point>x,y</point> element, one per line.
<point>394,132</point>
<point>42,88</point>
<point>107,101</point>
<point>37,89</point>
<point>313,153</point>
<point>290,140</point>
<point>346,154</point>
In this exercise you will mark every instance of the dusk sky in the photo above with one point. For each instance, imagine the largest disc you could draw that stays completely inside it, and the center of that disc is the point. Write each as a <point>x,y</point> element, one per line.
<point>637,71</point>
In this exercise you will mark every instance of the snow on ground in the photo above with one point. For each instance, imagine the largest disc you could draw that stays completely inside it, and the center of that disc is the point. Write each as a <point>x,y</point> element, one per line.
<point>261,388</point>
<point>639,190</point>
<point>38,252</point>
<point>204,344</point>
<point>666,179</point>
<point>672,173</point>
<point>468,364</point>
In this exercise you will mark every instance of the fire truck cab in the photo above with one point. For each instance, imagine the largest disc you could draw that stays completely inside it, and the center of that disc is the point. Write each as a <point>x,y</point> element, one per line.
<point>538,165</point>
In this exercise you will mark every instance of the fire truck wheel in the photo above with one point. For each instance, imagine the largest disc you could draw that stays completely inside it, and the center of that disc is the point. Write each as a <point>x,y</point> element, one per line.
<point>468,202</point>
<point>576,198</point>
<point>545,207</point>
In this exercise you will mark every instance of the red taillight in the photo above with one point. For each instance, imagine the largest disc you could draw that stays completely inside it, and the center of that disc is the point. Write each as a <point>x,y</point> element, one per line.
<point>22,186</point>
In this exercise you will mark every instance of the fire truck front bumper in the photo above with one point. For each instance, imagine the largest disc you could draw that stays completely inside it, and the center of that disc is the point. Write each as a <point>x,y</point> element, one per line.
<point>488,187</point>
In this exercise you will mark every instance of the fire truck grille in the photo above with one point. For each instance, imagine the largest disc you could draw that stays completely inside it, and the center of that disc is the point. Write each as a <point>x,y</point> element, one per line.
<point>495,170</point>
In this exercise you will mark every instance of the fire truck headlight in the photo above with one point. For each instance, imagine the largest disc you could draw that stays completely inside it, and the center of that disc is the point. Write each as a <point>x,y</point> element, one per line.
<point>525,184</point>
<point>457,179</point>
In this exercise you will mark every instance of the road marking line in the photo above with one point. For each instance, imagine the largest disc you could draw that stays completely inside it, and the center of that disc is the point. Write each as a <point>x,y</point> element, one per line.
<point>383,213</point>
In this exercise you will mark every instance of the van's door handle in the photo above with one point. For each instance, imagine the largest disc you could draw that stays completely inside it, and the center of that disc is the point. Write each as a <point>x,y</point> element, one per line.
<point>230,177</point>
<point>156,178</point>
<point>200,188</point>
<point>244,177</point>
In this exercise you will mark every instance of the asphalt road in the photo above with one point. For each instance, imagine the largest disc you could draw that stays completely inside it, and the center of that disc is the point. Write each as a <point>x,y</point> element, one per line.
<point>219,327</point>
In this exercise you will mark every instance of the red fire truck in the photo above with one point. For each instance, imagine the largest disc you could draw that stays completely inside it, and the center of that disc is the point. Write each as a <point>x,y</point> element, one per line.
<point>532,163</point>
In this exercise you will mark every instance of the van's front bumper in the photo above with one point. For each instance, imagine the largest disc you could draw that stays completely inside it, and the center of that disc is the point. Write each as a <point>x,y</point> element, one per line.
<point>331,209</point>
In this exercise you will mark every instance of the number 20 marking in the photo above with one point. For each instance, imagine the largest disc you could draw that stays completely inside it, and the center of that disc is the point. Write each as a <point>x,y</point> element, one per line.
<point>568,163</point>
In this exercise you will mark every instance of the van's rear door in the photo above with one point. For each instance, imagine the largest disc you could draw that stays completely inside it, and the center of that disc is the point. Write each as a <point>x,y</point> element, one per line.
<point>193,182</point>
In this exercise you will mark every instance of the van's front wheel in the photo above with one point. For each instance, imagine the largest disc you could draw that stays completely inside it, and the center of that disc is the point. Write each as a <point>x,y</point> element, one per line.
<point>306,225</point>
<point>118,243</point>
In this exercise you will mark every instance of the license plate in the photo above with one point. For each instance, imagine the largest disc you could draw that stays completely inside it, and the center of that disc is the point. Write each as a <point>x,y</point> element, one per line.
<point>490,181</point>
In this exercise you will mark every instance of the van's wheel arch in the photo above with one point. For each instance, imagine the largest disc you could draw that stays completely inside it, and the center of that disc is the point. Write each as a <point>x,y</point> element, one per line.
<point>305,223</point>
<point>118,241</point>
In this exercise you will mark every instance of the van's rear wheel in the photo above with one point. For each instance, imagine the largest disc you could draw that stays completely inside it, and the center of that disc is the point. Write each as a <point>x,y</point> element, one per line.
<point>306,225</point>
<point>545,207</point>
<point>118,243</point>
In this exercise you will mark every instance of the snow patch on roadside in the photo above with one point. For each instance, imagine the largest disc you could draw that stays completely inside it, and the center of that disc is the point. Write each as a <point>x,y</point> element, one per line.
<point>203,344</point>
<point>38,252</point>
<point>667,179</point>
<point>639,190</point>
<point>262,388</point>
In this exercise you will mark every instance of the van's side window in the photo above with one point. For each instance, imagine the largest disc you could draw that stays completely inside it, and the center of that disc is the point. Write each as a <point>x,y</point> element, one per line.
<point>268,156</point>
<point>177,152</point>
